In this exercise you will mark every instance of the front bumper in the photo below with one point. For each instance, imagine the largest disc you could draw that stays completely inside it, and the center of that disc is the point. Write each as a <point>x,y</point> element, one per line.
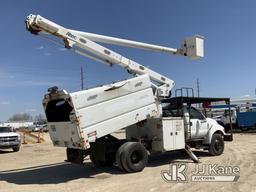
<point>228,137</point>
<point>6,145</point>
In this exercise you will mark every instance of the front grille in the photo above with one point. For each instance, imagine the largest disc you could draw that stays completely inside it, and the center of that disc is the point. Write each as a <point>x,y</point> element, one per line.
<point>8,139</point>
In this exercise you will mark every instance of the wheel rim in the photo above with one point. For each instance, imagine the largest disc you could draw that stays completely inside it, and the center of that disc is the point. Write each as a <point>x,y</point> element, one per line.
<point>72,155</point>
<point>218,145</point>
<point>136,157</point>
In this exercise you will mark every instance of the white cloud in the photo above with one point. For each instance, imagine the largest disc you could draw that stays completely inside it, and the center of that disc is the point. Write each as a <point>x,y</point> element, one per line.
<point>245,96</point>
<point>4,103</point>
<point>62,49</point>
<point>47,54</point>
<point>40,47</point>
<point>27,80</point>
<point>6,75</point>
<point>36,83</point>
<point>31,110</point>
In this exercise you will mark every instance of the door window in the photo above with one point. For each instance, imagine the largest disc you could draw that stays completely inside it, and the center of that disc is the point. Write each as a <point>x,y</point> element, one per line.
<point>194,114</point>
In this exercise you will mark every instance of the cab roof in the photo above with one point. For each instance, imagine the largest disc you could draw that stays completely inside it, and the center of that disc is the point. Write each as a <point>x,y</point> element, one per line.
<point>178,101</point>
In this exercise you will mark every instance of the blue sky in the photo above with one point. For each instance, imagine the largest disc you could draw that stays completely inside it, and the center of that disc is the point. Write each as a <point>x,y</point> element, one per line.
<point>30,64</point>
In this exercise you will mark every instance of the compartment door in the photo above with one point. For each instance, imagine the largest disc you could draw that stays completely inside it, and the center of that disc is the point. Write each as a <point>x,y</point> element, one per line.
<point>179,134</point>
<point>168,134</point>
<point>173,134</point>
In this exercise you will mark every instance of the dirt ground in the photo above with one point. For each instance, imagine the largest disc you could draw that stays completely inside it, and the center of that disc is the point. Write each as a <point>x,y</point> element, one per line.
<point>41,168</point>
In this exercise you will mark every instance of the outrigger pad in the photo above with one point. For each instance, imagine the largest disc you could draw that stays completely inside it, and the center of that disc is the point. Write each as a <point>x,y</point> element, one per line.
<point>191,154</point>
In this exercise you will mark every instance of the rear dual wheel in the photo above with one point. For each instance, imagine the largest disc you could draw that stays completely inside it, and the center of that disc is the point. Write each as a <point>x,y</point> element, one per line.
<point>132,157</point>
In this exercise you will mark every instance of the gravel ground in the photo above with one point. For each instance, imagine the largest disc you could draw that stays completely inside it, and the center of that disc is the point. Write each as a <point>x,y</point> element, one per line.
<point>41,168</point>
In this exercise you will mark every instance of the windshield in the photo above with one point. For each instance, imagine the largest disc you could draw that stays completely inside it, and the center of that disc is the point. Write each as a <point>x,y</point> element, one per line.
<point>5,129</point>
<point>226,113</point>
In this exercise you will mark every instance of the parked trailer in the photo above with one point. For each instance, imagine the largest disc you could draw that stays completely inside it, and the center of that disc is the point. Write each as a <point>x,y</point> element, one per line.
<point>246,120</point>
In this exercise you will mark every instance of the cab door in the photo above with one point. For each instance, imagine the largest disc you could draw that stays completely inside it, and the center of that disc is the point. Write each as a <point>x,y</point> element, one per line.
<point>198,123</point>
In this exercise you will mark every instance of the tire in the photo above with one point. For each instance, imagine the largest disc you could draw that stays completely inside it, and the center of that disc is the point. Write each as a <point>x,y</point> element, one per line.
<point>71,154</point>
<point>109,160</point>
<point>217,145</point>
<point>134,157</point>
<point>74,155</point>
<point>119,154</point>
<point>16,149</point>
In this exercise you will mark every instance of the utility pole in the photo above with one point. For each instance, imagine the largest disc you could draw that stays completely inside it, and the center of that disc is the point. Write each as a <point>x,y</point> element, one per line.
<point>82,78</point>
<point>198,87</point>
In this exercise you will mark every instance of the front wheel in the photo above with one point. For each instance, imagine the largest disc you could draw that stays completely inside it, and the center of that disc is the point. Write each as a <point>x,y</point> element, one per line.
<point>217,145</point>
<point>16,149</point>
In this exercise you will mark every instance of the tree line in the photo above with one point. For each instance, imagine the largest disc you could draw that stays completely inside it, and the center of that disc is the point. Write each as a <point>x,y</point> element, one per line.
<point>27,117</point>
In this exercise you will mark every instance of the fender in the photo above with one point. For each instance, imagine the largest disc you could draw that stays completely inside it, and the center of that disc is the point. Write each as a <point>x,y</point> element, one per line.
<point>214,127</point>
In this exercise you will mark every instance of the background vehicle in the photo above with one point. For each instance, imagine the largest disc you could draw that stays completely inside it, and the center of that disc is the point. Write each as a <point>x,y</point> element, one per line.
<point>9,139</point>
<point>241,117</point>
<point>38,127</point>
<point>246,120</point>
<point>44,128</point>
<point>83,121</point>
<point>33,128</point>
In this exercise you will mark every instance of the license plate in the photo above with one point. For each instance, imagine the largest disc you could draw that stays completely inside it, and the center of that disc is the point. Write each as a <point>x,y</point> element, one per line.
<point>7,143</point>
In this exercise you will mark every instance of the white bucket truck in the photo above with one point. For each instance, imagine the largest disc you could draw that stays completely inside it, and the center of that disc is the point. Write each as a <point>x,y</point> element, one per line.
<point>83,121</point>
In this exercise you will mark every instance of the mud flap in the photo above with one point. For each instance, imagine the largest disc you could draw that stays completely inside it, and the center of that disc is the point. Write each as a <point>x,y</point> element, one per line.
<point>228,137</point>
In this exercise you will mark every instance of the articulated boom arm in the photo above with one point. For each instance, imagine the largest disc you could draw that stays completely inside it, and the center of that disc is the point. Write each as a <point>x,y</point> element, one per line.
<point>83,43</point>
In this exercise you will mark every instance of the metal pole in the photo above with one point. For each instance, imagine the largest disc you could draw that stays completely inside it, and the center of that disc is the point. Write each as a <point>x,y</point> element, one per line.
<point>198,89</point>
<point>230,120</point>
<point>82,78</point>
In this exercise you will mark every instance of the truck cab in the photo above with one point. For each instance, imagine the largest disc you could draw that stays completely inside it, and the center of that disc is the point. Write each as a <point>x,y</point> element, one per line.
<point>200,131</point>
